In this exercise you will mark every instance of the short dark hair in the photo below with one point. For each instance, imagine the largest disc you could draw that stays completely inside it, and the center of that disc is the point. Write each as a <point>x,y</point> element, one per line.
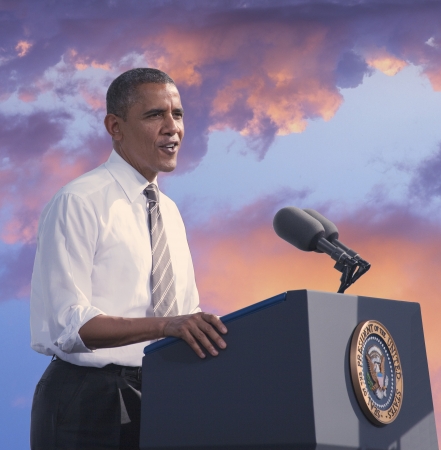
<point>122,92</point>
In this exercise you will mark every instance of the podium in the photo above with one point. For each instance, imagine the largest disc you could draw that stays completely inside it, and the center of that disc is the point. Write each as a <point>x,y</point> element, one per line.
<point>284,381</point>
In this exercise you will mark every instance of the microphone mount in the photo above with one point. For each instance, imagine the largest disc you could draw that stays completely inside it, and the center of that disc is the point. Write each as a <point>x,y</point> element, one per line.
<point>351,267</point>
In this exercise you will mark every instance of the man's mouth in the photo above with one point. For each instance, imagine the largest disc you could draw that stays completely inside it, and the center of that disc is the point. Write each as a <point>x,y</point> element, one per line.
<point>169,148</point>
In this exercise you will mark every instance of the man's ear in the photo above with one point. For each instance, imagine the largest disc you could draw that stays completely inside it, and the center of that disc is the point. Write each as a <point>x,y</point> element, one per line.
<point>112,124</point>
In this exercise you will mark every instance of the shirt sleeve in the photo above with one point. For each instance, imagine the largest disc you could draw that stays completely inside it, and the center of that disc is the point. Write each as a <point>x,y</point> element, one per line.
<point>192,293</point>
<point>66,248</point>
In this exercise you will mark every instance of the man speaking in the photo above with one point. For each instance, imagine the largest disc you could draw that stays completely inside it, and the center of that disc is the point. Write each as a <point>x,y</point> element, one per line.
<point>112,273</point>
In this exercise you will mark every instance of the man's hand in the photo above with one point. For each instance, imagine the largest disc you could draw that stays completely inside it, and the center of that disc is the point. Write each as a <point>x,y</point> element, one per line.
<point>108,331</point>
<point>196,329</point>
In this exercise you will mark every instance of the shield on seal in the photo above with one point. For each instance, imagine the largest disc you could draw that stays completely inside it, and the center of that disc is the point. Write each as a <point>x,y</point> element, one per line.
<point>380,379</point>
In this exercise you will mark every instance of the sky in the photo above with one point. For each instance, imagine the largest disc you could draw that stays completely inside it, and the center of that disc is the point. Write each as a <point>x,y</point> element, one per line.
<point>331,105</point>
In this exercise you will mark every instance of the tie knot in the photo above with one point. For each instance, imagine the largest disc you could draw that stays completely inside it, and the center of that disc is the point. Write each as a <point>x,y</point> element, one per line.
<point>151,192</point>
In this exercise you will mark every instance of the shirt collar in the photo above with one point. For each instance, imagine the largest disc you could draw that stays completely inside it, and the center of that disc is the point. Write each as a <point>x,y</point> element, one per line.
<point>131,181</point>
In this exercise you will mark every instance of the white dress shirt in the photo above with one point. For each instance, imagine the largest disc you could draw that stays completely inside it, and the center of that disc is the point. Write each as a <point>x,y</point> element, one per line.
<point>94,257</point>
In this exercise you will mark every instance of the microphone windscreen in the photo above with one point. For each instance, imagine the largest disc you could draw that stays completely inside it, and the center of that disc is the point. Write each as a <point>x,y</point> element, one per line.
<point>298,228</point>
<point>331,231</point>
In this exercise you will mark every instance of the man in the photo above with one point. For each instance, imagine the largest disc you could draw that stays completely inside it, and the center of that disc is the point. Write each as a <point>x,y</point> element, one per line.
<point>113,272</point>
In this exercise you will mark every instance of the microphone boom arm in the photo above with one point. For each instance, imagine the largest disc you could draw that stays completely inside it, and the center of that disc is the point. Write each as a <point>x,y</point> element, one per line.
<point>351,271</point>
<point>352,267</point>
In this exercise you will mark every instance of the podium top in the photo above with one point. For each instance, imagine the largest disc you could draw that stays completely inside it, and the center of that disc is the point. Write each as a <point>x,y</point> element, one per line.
<point>225,319</point>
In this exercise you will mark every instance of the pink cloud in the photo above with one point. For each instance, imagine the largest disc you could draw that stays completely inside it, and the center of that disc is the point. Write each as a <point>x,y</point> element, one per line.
<point>262,70</point>
<point>29,137</point>
<point>34,182</point>
<point>22,48</point>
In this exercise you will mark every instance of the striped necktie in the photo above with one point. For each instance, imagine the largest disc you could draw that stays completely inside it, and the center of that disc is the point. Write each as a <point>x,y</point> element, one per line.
<point>162,278</point>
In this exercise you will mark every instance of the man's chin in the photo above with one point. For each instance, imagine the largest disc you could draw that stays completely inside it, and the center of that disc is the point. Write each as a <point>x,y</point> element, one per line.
<point>166,168</point>
<point>168,164</point>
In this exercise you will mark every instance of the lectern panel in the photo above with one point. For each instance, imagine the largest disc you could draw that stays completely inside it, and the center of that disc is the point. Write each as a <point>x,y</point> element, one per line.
<point>284,381</point>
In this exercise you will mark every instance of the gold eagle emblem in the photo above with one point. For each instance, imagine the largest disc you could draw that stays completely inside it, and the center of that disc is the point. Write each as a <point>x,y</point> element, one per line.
<point>377,368</point>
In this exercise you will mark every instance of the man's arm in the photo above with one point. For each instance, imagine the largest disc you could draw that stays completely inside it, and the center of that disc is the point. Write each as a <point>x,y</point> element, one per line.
<point>65,264</point>
<point>108,331</point>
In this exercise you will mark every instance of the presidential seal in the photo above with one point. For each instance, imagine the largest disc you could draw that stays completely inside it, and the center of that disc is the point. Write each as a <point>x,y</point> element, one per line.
<point>376,372</point>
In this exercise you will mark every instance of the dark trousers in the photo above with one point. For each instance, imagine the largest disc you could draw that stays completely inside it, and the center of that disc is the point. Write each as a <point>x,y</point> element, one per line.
<point>86,408</point>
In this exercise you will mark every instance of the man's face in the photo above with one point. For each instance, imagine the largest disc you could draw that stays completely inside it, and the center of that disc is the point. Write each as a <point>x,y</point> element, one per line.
<point>150,138</point>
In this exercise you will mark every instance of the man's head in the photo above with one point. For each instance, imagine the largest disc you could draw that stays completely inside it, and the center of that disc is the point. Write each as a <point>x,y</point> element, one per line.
<point>123,92</point>
<point>145,119</point>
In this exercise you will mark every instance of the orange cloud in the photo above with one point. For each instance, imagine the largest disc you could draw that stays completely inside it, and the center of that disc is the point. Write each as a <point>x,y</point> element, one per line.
<point>82,62</point>
<point>286,82</point>
<point>388,65</point>
<point>383,61</point>
<point>93,99</point>
<point>27,95</point>
<point>434,76</point>
<point>16,231</point>
<point>81,65</point>
<point>22,48</point>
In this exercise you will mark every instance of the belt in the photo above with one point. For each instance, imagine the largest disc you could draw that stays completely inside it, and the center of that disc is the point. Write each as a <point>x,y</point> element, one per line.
<point>123,371</point>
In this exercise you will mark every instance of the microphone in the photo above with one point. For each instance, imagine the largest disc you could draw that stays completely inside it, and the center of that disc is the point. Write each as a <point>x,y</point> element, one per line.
<point>331,234</point>
<point>307,233</point>
<point>331,231</point>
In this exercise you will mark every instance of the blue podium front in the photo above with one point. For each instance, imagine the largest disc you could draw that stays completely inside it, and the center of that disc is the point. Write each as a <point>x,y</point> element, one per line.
<point>284,381</point>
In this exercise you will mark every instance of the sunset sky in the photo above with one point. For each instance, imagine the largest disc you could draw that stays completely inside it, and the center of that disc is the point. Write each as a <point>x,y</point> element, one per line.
<point>331,105</point>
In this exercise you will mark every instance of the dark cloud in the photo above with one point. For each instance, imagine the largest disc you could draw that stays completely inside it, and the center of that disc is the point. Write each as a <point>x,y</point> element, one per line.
<point>250,52</point>
<point>27,186</point>
<point>426,181</point>
<point>30,136</point>
<point>369,226</point>
<point>226,221</point>
<point>350,70</point>
<point>261,142</point>
<point>260,68</point>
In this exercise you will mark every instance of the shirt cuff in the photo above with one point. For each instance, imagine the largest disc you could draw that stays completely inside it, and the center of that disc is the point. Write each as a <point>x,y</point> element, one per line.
<point>69,340</point>
<point>195,310</point>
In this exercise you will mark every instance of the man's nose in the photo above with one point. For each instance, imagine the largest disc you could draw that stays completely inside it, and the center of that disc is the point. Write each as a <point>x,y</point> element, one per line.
<point>170,126</point>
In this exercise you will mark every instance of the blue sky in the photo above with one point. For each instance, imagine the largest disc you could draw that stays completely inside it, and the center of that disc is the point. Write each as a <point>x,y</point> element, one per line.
<point>369,156</point>
<point>383,129</point>
<point>339,162</point>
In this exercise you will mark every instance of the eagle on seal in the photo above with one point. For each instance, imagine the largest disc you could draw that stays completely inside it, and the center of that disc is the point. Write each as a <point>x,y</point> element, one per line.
<point>377,366</point>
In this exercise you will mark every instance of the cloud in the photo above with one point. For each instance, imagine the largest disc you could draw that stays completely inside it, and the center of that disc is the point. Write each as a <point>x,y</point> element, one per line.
<point>257,81</point>
<point>26,188</point>
<point>26,137</point>
<point>262,70</point>
<point>350,70</point>
<point>240,261</point>
<point>426,181</point>
<point>389,65</point>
